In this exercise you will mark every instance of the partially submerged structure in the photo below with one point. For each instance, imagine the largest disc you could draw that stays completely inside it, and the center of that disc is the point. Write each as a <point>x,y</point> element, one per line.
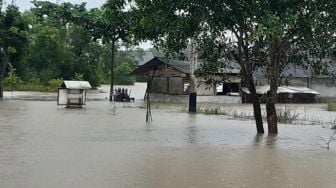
<point>319,76</point>
<point>285,94</point>
<point>72,94</point>
<point>298,83</point>
<point>172,77</point>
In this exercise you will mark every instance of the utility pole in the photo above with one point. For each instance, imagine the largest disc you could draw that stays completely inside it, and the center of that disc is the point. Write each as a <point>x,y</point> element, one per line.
<point>193,81</point>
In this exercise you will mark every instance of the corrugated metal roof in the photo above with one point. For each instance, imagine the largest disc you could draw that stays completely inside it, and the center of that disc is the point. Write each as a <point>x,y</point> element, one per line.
<point>261,90</point>
<point>76,84</point>
<point>304,90</point>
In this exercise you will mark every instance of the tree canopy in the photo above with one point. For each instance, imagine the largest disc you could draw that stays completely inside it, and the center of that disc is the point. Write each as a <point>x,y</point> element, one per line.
<point>67,41</point>
<point>64,42</point>
<point>253,33</point>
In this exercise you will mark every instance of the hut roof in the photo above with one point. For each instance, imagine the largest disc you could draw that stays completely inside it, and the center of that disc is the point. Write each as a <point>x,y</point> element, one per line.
<point>156,62</point>
<point>283,89</point>
<point>181,66</point>
<point>75,84</point>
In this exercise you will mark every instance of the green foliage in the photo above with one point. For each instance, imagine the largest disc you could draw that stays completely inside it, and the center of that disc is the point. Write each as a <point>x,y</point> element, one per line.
<point>78,77</point>
<point>54,84</point>
<point>66,41</point>
<point>11,81</point>
<point>122,76</point>
<point>13,35</point>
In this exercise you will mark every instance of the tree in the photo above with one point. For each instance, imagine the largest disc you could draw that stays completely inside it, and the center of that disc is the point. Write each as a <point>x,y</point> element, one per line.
<point>122,74</point>
<point>110,24</point>
<point>265,33</point>
<point>254,33</point>
<point>60,47</point>
<point>284,25</point>
<point>12,39</point>
<point>173,23</point>
<point>237,18</point>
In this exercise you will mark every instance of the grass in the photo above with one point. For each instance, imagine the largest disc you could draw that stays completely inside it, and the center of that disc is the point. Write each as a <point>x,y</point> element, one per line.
<point>287,115</point>
<point>16,84</point>
<point>331,107</point>
<point>226,111</point>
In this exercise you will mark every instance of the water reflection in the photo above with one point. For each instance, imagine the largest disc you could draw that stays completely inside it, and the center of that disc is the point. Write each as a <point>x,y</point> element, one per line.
<point>192,130</point>
<point>258,138</point>
<point>271,140</point>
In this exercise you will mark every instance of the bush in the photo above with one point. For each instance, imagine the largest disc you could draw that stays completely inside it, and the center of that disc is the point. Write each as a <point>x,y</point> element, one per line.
<point>54,84</point>
<point>210,111</point>
<point>12,81</point>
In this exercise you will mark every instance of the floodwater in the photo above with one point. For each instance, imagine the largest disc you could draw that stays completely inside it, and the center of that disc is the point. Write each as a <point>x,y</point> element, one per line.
<point>42,145</point>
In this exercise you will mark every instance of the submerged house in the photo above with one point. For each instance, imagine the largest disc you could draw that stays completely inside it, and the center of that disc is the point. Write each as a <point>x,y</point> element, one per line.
<point>322,79</point>
<point>172,77</point>
<point>285,94</point>
<point>72,94</point>
<point>298,83</point>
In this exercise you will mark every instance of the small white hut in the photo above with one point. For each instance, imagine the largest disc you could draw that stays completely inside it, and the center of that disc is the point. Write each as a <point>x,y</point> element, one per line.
<point>72,94</point>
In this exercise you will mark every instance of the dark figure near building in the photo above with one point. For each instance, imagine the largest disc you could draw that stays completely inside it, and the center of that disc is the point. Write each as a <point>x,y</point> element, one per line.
<point>121,95</point>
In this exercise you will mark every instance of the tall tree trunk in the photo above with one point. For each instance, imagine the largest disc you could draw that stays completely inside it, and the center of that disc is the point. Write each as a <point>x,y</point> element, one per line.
<point>255,99</point>
<point>257,110</point>
<point>246,70</point>
<point>112,70</point>
<point>272,119</point>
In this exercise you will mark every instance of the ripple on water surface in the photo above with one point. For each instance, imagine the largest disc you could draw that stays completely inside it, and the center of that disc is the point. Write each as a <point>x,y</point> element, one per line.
<point>42,145</point>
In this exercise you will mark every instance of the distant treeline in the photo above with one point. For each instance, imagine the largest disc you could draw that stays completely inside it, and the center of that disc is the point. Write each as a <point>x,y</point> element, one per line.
<point>50,49</point>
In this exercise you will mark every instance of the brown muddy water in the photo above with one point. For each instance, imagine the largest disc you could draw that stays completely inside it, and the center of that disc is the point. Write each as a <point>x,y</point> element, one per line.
<point>42,145</point>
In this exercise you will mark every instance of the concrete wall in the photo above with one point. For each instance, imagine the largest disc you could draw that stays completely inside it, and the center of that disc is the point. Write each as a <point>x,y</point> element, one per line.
<point>204,89</point>
<point>325,86</point>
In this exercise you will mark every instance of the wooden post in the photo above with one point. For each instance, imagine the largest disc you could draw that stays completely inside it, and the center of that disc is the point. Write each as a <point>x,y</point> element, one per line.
<point>193,67</point>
